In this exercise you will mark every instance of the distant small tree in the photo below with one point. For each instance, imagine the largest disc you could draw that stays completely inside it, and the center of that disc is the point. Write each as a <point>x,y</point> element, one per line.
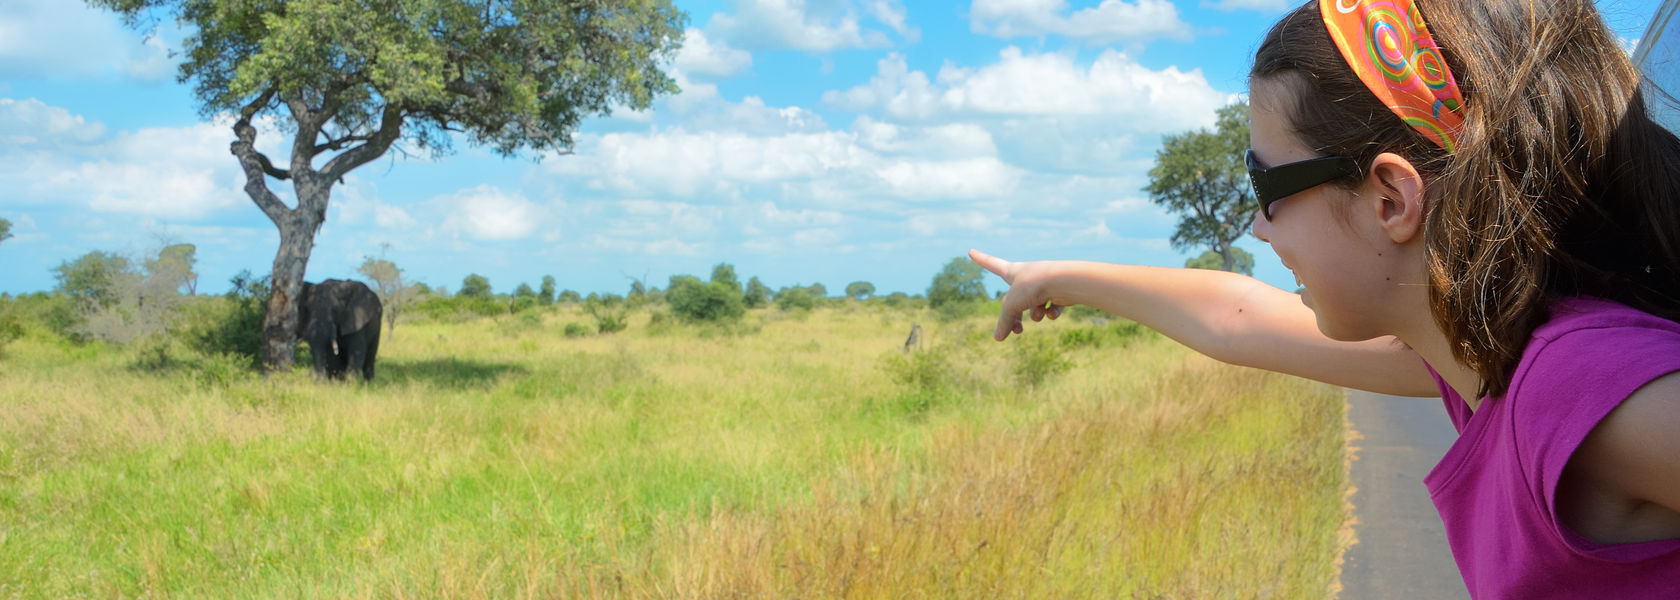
<point>695,301</point>
<point>569,297</point>
<point>725,273</point>
<point>5,230</point>
<point>394,293</point>
<point>795,298</point>
<point>961,280</point>
<point>757,294</point>
<point>474,286</point>
<point>638,295</point>
<point>173,266</point>
<point>860,290</point>
<point>1242,261</point>
<point>524,291</point>
<point>91,280</point>
<point>545,295</point>
<point>609,312</point>
<point>817,291</point>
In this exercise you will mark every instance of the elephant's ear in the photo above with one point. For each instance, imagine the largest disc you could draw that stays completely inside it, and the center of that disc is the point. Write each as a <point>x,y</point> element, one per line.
<point>364,307</point>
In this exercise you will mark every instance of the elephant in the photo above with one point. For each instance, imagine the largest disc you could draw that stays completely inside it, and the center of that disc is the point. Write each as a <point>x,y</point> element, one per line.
<point>340,320</point>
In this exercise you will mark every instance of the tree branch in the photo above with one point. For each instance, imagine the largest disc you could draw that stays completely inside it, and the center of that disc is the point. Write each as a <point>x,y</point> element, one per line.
<point>340,143</point>
<point>255,165</point>
<point>390,127</point>
<point>308,128</point>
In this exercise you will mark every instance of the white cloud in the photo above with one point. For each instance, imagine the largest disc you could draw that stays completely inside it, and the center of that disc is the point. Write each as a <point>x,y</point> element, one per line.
<point>667,246</point>
<point>52,157</point>
<point>805,216</point>
<point>1099,230</point>
<point>32,123</point>
<point>357,202</point>
<point>792,25</point>
<point>949,141</point>
<point>815,237</point>
<point>932,224</point>
<point>701,56</point>
<point>64,39</point>
<point>971,178</point>
<point>902,92</point>
<point>646,218</point>
<point>1107,23</point>
<point>151,62</point>
<point>909,163</point>
<point>1114,86</point>
<point>487,213</point>
<point>892,14</point>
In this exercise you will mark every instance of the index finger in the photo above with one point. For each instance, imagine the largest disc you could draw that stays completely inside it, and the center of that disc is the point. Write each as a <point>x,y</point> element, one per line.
<point>997,266</point>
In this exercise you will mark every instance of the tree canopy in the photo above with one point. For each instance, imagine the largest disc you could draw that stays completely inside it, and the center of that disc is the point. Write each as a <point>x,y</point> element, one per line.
<point>511,75</point>
<point>860,290</point>
<point>5,230</point>
<point>474,286</point>
<point>1200,176</point>
<point>961,280</point>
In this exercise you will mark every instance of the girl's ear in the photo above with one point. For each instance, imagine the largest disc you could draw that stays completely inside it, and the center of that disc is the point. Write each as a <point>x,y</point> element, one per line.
<point>1397,196</point>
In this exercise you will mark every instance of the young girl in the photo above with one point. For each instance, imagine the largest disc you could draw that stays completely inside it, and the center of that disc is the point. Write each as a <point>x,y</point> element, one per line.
<point>1476,205</point>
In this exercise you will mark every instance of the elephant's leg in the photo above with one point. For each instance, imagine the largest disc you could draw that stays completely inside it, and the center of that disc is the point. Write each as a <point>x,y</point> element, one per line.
<point>372,352</point>
<point>326,359</point>
<point>355,347</point>
<point>341,367</point>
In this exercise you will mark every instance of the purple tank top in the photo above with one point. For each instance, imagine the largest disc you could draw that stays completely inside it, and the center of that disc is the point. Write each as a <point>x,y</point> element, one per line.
<point>1496,486</point>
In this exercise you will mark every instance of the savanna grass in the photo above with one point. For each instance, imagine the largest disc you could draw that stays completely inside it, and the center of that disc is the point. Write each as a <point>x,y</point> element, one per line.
<point>797,455</point>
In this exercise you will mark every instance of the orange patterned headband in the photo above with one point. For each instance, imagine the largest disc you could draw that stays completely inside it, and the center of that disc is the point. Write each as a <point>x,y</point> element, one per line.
<point>1389,47</point>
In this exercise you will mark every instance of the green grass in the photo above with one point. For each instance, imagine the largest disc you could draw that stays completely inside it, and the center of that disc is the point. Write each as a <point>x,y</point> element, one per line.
<point>801,455</point>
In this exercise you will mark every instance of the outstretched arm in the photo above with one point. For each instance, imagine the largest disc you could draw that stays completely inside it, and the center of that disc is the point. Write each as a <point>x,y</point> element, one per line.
<point>1229,317</point>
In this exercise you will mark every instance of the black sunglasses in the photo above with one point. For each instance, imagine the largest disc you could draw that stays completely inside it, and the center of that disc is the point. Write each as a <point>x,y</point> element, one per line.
<point>1279,182</point>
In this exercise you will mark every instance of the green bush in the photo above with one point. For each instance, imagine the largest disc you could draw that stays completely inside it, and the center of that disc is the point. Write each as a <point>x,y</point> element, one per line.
<point>795,298</point>
<point>458,308</point>
<point>717,301</point>
<point>51,313</point>
<point>1036,359</point>
<point>929,377</point>
<point>230,324</point>
<point>1114,334</point>
<point>574,330</point>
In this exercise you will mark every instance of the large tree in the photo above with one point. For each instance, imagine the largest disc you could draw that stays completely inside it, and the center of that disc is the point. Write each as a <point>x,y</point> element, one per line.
<point>1200,176</point>
<point>347,79</point>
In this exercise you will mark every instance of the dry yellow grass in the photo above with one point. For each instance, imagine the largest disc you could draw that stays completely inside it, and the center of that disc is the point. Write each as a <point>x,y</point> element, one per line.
<point>504,460</point>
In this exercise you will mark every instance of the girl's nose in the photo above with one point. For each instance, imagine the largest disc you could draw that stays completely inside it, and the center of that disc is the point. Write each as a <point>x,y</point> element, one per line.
<point>1261,228</point>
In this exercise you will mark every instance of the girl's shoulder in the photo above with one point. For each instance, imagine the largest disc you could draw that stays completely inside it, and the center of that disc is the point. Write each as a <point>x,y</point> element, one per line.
<point>1592,348</point>
<point>1574,314</point>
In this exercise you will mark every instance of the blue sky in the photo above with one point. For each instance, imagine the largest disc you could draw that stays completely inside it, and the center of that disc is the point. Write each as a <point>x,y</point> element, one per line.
<point>821,141</point>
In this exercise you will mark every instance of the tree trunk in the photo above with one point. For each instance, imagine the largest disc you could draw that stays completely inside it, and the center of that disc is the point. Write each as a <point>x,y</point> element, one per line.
<point>1229,262</point>
<point>297,240</point>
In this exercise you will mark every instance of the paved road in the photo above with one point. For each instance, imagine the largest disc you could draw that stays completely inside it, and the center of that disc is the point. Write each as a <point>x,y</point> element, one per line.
<point>1402,549</point>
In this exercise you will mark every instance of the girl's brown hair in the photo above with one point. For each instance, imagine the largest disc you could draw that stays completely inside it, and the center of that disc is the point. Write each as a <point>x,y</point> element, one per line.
<point>1562,184</point>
